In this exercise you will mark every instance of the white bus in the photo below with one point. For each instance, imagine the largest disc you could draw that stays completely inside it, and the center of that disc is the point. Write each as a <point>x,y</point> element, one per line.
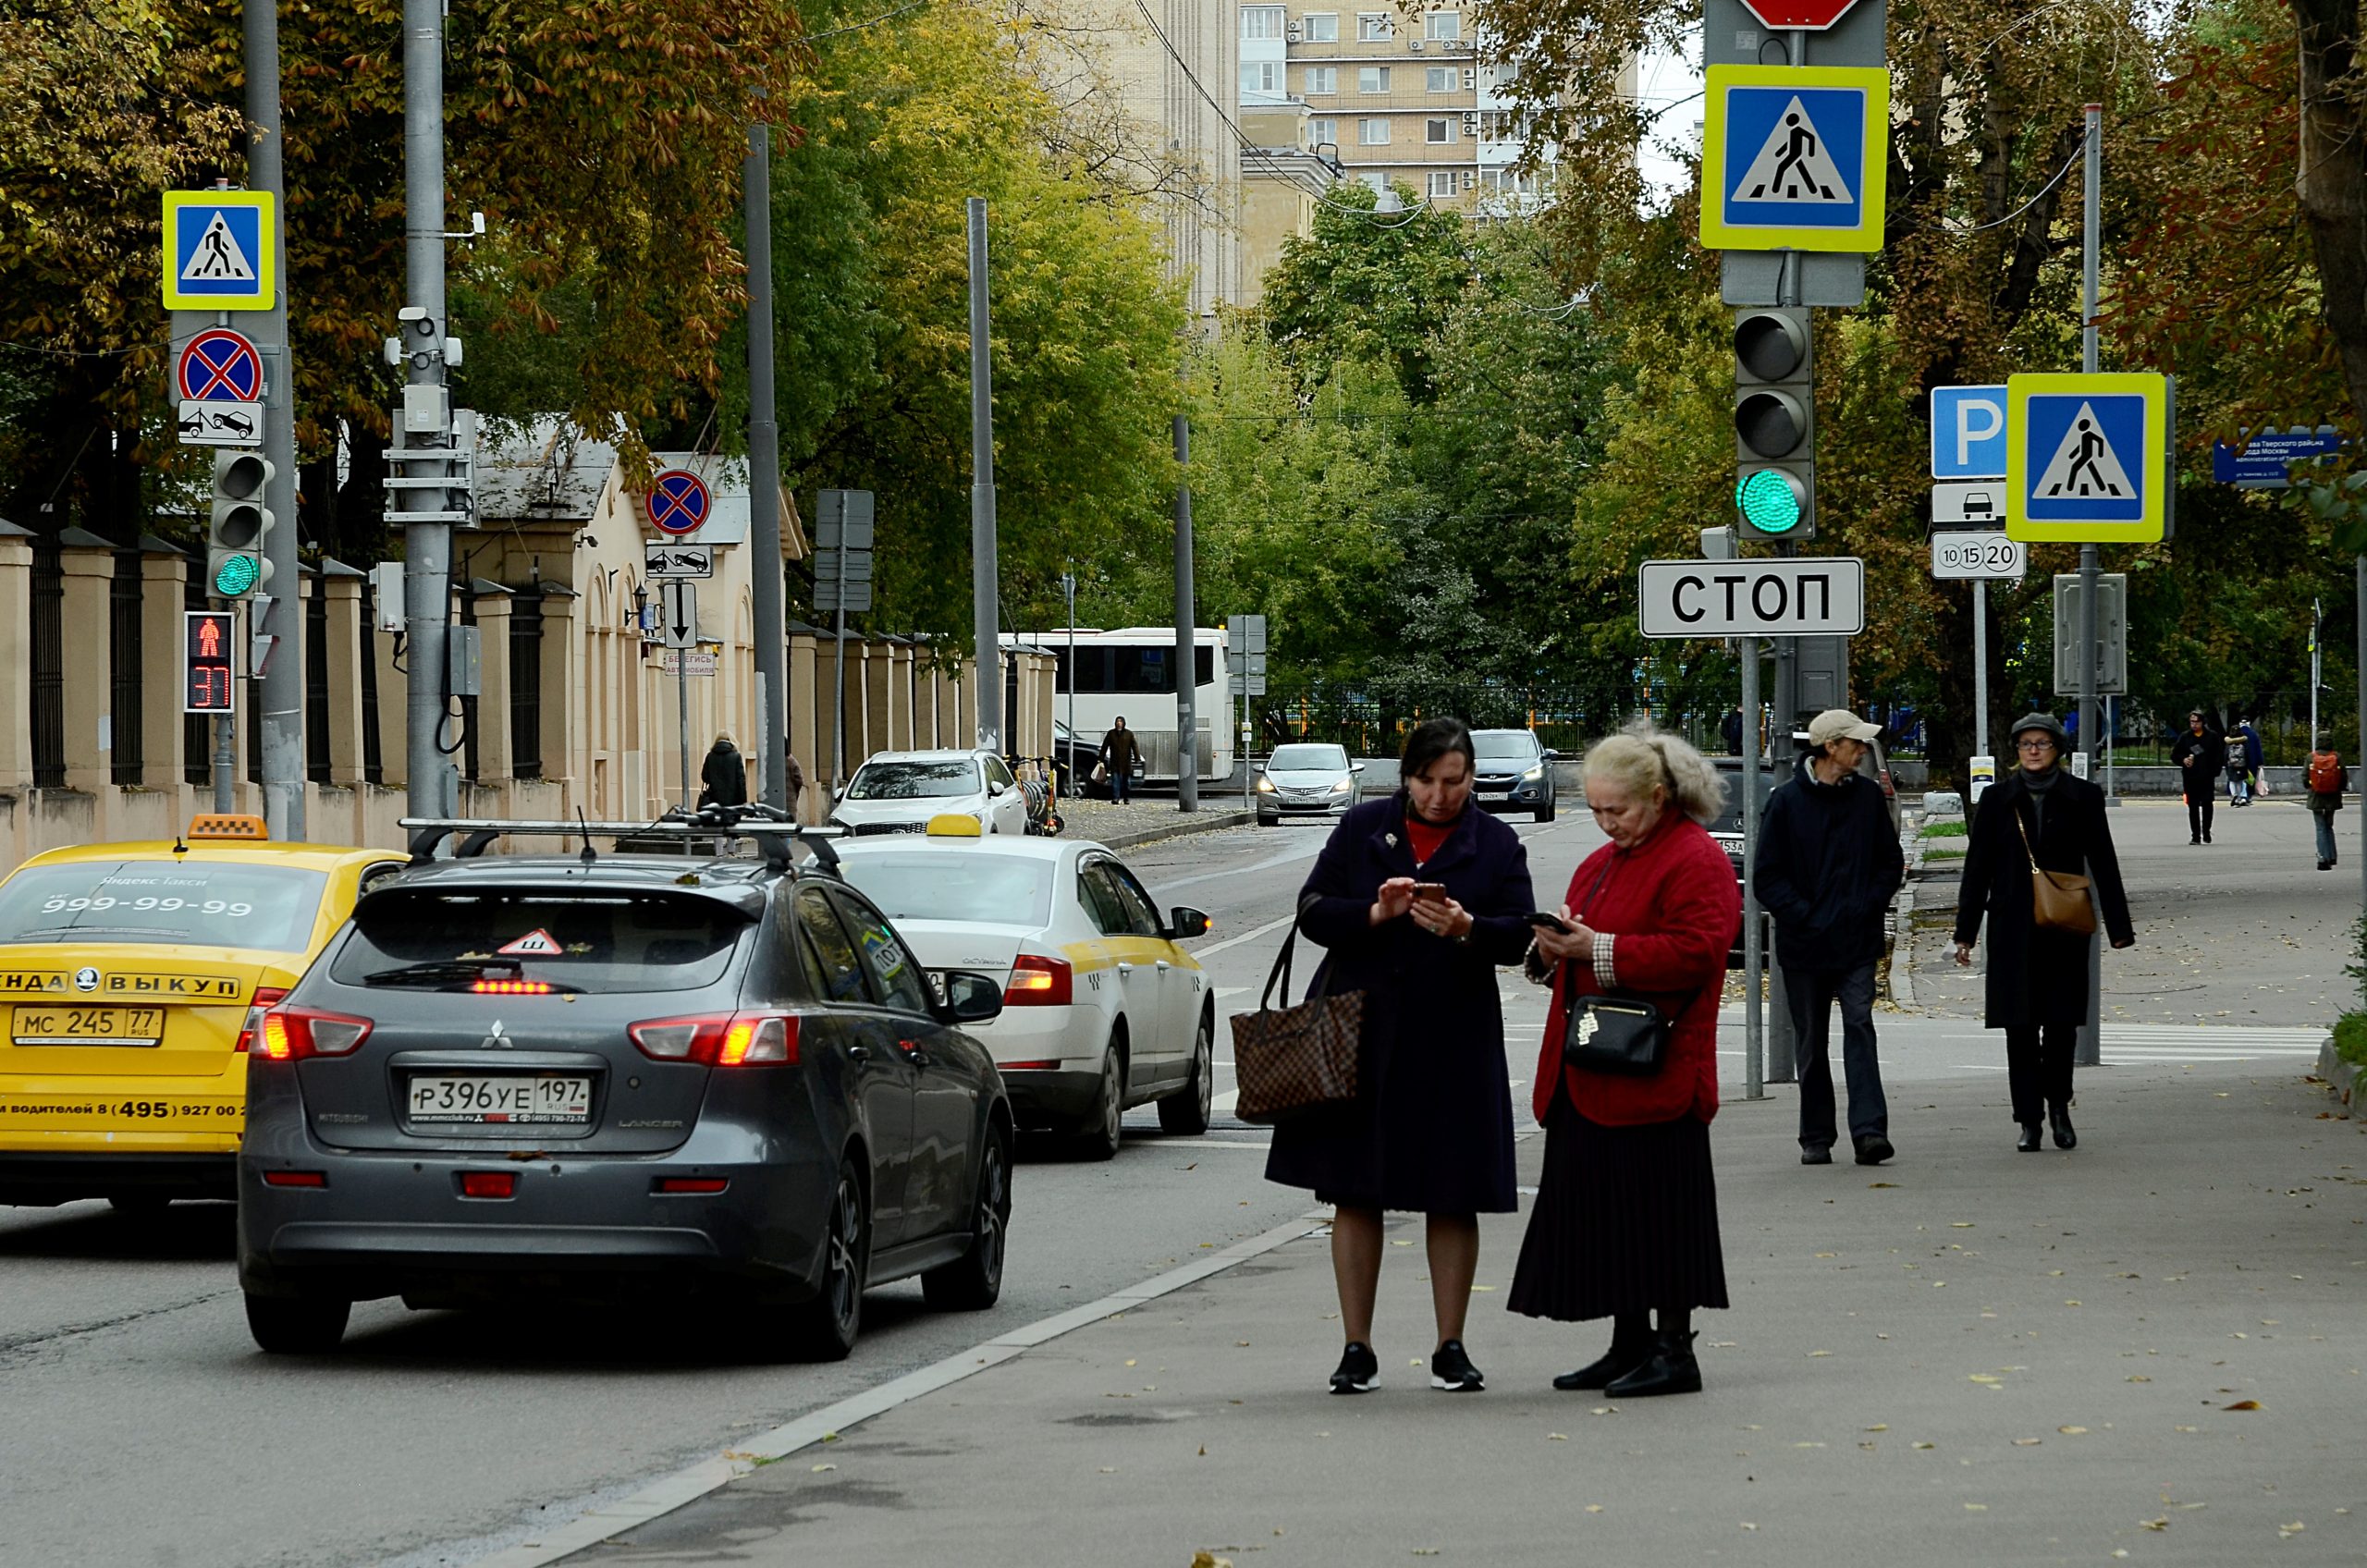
<point>1131,673</point>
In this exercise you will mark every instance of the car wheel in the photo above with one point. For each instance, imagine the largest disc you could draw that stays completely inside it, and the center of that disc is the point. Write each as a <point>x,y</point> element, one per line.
<point>974,1282</point>
<point>826,1327</point>
<point>296,1325</point>
<point>144,1208</point>
<point>1267,821</point>
<point>1098,1135</point>
<point>1187,1111</point>
<point>1545,811</point>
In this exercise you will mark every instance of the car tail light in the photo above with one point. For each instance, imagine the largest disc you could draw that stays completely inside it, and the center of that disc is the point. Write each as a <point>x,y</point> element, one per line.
<point>1038,981</point>
<point>488,1184</point>
<point>689,1184</point>
<point>1026,1066</point>
<point>295,1179</point>
<point>719,1039</point>
<point>266,998</point>
<point>512,987</point>
<point>292,1034</point>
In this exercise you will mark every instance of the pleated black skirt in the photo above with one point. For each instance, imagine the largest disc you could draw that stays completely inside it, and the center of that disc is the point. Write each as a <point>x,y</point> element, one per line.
<point>1625,1222</point>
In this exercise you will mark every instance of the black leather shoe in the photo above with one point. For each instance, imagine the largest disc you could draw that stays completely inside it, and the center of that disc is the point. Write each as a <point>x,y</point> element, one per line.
<point>1873,1148</point>
<point>1670,1370</point>
<point>1615,1364</point>
<point>2028,1144</point>
<point>1810,1155</point>
<point>2065,1138</point>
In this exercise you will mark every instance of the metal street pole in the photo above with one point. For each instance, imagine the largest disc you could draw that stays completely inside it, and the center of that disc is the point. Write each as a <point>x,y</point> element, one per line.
<point>985,625</point>
<point>279,704</point>
<point>2317,666</point>
<point>764,479</point>
<point>1754,957</point>
<point>1068,592</point>
<point>1979,671</point>
<point>2089,1051</point>
<point>838,774</point>
<point>429,776</point>
<point>683,718</point>
<point>1187,754</point>
<point>2359,567</point>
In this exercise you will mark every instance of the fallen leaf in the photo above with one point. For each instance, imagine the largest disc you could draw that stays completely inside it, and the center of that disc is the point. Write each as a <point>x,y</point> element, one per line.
<point>1130,1363</point>
<point>1976,1508</point>
<point>1557,1436</point>
<point>2295,1529</point>
<point>1203,1450</point>
<point>1981,1378</point>
<point>1594,1508</point>
<point>2027,1442</point>
<point>2242,1405</point>
<point>819,1468</point>
<point>1814,1353</point>
<point>1878,1427</point>
<point>1960,1224</point>
<point>2161,1523</point>
<point>1923,1445</point>
<point>1109,1469</point>
<point>1210,1560</point>
<point>1749,1525</point>
<point>2073,1431</point>
<point>2070,1304</point>
<point>1872,1184</point>
<point>2139,1378</point>
<point>2188,1429</point>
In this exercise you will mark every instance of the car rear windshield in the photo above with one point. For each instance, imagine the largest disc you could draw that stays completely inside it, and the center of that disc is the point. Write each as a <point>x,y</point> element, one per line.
<point>207,903</point>
<point>914,781</point>
<point>1307,759</point>
<point>1504,746</point>
<point>601,943</point>
<point>951,885</point>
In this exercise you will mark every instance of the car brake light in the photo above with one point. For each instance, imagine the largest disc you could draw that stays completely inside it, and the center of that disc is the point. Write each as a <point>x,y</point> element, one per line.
<point>690,1184</point>
<point>295,1179</point>
<point>488,1184</point>
<point>266,998</point>
<point>292,1034</point>
<point>721,1039</point>
<point>1026,1066</point>
<point>1038,981</point>
<point>512,987</point>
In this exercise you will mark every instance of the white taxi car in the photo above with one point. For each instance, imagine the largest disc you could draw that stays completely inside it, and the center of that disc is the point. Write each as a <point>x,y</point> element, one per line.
<point>1102,1010</point>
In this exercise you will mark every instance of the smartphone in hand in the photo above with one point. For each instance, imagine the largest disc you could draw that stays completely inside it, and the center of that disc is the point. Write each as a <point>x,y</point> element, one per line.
<point>1435,891</point>
<point>1550,921</point>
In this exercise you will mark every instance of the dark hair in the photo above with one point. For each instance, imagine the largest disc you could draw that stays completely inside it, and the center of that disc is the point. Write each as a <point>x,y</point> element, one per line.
<point>1435,738</point>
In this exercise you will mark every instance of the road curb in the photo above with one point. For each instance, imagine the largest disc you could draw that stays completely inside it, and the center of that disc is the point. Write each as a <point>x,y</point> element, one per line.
<point>692,1482</point>
<point>2342,1077</point>
<point>1208,824</point>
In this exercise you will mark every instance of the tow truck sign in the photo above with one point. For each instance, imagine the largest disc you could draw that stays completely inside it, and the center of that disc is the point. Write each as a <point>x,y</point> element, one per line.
<point>1817,597</point>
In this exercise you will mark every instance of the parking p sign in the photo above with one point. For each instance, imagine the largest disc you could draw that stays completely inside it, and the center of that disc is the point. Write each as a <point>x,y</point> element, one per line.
<point>1968,432</point>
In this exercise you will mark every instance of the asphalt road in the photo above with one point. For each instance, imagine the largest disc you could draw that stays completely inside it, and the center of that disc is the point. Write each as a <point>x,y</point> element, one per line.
<point>145,1428</point>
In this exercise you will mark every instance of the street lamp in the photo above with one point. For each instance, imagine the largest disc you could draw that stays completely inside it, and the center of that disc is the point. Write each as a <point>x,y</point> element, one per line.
<point>640,607</point>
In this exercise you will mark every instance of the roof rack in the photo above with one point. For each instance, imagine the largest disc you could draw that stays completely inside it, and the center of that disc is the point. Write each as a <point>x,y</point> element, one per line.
<point>776,831</point>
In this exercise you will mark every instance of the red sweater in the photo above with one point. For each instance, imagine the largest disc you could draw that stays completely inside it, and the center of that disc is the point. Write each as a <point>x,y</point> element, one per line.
<point>1666,912</point>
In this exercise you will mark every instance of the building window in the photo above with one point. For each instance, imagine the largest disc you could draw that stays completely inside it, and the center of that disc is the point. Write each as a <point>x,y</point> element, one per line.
<point>1442,182</point>
<point>1372,133</point>
<point>1261,76</point>
<point>1438,133</point>
<point>1323,80</point>
<point>1323,133</point>
<point>1264,22</point>
<point>1375,26</point>
<point>1376,183</point>
<point>1440,78</point>
<point>1372,79</point>
<point>1444,26</point>
<point>1323,27</point>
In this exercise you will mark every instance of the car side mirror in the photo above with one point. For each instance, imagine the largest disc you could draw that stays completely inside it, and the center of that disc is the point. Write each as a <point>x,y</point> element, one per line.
<point>995,791</point>
<point>1552,755</point>
<point>1184,922</point>
<point>1355,767</point>
<point>971,998</point>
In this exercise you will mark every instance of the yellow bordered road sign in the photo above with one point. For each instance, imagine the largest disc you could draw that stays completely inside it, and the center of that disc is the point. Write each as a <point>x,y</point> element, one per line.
<point>2087,459</point>
<point>221,250</point>
<point>1792,157</point>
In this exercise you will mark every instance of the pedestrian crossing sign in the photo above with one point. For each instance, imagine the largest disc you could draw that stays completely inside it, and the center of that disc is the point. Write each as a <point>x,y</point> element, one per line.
<point>1792,157</point>
<point>221,250</point>
<point>2087,459</point>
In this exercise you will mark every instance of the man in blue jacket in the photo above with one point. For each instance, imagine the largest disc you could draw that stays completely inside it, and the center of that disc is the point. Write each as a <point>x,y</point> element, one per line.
<point>1827,864</point>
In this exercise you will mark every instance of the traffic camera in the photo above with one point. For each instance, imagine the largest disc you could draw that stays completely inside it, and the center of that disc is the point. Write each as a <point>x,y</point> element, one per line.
<point>235,563</point>
<point>1774,423</point>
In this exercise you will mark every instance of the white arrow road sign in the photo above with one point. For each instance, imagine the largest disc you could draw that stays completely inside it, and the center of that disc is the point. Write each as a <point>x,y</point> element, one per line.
<point>1978,555</point>
<point>681,607</point>
<point>1820,596</point>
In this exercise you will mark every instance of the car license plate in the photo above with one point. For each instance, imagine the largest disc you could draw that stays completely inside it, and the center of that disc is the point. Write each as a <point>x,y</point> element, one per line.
<point>481,1097</point>
<point>1492,794</point>
<point>88,1025</point>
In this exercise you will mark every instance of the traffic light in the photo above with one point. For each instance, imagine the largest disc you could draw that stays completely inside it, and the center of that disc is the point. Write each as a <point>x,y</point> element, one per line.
<point>235,566</point>
<point>1774,422</point>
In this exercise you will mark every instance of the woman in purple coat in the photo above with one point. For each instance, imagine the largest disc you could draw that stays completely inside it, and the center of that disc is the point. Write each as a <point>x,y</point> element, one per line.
<point>1432,1130</point>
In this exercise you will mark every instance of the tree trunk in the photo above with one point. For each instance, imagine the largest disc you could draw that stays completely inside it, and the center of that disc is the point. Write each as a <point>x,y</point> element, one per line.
<point>2332,184</point>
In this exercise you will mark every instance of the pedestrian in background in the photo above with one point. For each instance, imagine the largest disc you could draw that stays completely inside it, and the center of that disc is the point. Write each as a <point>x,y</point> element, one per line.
<point>794,775</point>
<point>1625,1223</point>
<point>1120,752</point>
<point>2199,755</point>
<point>1418,897</point>
<point>2325,779</point>
<point>2041,815</point>
<point>1730,730</point>
<point>723,776</point>
<point>2244,755</point>
<point>1828,865</point>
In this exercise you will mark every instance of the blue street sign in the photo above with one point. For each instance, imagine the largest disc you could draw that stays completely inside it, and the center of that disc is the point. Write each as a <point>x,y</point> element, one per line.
<point>2086,458</point>
<point>678,502</point>
<point>221,250</point>
<point>2261,465</point>
<point>1792,157</point>
<point>1968,432</point>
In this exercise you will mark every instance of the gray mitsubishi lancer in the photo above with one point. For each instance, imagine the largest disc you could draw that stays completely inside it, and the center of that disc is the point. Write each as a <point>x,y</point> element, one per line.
<point>595,1079</point>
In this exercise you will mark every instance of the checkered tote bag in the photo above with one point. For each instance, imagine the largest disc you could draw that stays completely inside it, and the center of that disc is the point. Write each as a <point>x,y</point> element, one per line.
<point>1290,1060</point>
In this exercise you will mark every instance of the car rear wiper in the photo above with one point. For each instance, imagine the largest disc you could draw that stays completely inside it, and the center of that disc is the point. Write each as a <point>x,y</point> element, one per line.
<point>448,971</point>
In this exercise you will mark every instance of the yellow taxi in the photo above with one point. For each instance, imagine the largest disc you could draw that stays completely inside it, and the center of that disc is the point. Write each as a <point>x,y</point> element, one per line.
<point>132,976</point>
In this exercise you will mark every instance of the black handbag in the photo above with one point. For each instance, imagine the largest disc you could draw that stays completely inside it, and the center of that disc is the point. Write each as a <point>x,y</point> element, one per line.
<point>1626,1036</point>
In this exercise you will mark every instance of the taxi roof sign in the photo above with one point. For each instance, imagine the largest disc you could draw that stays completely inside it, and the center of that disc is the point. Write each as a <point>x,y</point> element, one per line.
<point>228,825</point>
<point>953,825</point>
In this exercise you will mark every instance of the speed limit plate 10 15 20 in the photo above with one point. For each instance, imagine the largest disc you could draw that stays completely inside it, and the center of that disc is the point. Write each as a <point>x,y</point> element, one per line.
<point>1980,555</point>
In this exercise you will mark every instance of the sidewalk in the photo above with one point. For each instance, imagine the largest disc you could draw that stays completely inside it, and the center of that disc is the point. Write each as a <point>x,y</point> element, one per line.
<point>1969,1356</point>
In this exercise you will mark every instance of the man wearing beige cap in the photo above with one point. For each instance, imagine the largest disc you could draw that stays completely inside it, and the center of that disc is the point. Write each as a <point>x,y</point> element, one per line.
<point>1827,865</point>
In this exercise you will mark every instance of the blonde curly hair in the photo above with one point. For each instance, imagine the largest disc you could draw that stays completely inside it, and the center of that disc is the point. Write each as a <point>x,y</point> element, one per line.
<point>1640,758</point>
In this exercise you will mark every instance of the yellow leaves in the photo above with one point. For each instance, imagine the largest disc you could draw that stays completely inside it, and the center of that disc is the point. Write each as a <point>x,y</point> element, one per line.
<point>2244,1405</point>
<point>2073,1431</point>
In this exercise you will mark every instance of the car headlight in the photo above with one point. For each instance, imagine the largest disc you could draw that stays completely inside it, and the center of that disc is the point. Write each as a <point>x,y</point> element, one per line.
<point>1265,785</point>
<point>1534,774</point>
<point>1341,787</point>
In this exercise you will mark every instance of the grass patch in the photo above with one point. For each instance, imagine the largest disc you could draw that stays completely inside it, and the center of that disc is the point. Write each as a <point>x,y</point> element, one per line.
<point>2350,1039</point>
<point>1955,829</point>
<point>1946,852</point>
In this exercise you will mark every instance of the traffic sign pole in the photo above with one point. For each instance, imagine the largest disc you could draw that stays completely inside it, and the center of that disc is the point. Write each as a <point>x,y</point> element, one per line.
<point>2089,1052</point>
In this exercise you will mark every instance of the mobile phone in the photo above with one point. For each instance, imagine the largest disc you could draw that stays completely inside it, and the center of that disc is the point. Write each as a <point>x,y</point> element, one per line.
<point>1429,889</point>
<point>1551,922</point>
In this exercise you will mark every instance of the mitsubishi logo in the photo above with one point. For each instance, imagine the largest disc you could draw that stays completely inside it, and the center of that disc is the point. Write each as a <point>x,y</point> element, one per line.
<point>496,1039</point>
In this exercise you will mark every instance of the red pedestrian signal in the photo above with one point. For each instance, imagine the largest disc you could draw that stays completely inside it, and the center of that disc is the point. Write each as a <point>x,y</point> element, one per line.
<point>211,686</point>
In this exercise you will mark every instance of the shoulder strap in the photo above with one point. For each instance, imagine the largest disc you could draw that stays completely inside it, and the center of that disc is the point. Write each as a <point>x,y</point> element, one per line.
<point>1281,969</point>
<point>2026,837</point>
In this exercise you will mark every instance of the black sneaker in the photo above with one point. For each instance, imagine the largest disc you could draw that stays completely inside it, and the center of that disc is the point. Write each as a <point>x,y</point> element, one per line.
<point>1359,1370</point>
<point>1452,1371</point>
<point>1873,1148</point>
<point>1812,1154</point>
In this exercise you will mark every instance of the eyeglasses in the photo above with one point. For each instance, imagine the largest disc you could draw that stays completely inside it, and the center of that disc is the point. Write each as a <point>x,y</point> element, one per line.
<point>2040,745</point>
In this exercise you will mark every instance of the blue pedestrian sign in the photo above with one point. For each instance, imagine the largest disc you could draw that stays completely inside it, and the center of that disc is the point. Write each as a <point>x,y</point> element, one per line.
<point>221,250</point>
<point>2086,458</point>
<point>1792,157</point>
<point>1968,432</point>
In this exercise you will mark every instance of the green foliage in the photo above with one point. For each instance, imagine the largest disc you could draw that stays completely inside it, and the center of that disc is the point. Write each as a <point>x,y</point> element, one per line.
<point>2350,1037</point>
<point>1956,828</point>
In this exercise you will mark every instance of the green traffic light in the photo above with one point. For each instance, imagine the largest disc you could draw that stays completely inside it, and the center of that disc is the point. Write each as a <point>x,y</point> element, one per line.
<point>1768,501</point>
<point>236,575</point>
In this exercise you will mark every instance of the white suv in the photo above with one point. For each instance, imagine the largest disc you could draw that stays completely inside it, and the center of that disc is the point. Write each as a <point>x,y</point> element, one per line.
<point>900,791</point>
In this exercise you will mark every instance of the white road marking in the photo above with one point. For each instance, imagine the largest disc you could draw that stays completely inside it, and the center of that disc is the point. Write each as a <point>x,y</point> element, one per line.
<point>1250,936</point>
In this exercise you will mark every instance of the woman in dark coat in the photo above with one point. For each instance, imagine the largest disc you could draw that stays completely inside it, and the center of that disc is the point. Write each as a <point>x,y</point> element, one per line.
<point>2038,978</point>
<point>1626,1216</point>
<point>1431,1129</point>
<point>723,776</point>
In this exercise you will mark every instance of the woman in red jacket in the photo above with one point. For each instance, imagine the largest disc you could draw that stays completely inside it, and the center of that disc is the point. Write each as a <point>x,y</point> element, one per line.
<point>1626,1216</point>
